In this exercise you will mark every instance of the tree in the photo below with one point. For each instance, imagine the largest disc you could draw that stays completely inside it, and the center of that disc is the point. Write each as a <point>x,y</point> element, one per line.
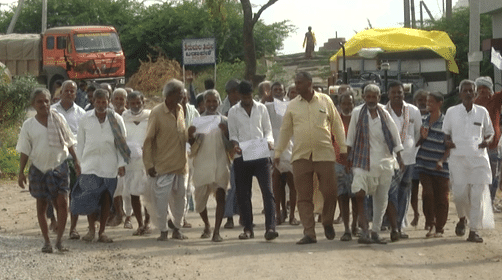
<point>248,37</point>
<point>158,28</point>
<point>457,28</point>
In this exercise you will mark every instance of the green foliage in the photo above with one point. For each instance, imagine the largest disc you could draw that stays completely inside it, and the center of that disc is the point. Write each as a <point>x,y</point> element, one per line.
<point>142,29</point>
<point>9,157</point>
<point>72,12</point>
<point>277,73</point>
<point>14,99</point>
<point>457,28</point>
<point>224,72</point>
<point>9,161</point>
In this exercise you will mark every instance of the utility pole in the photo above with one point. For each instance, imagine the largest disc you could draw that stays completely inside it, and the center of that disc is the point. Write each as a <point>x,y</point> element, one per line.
<point>475,55</point>
<point>406,13</point>
<point>412,9</point>
<point>44,16</point>
<point>448,8</point>
<point>14,18</point>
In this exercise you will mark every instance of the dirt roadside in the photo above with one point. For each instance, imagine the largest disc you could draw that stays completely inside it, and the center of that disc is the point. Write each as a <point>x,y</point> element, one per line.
<point>131,257</point>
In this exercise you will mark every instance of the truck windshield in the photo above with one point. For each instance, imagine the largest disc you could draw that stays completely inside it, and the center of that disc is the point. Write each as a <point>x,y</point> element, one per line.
<point>97,42</point>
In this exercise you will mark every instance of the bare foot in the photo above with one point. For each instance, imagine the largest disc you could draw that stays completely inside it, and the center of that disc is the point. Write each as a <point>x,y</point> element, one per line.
<point>414,223</point>
<point>53,226</point>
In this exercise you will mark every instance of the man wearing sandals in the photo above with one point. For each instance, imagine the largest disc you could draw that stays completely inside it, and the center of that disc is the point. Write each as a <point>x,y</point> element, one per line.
<point>165,158</point>
<point>103,152</point>
<point>136,121</point>
<point>72,114</point>
<point>46,140</point>
<point>468,132</point>
<point>372,139</point>
<point>249,120</point>
<point>312,119</point>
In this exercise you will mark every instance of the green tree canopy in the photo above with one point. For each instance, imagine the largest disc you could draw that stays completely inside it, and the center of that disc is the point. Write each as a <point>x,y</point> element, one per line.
<point>159,27</point>
<point>457,28</point>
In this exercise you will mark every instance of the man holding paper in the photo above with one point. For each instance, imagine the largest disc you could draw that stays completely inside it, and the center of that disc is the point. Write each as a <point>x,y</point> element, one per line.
<point>211,153</point>
<point>251,133</point>
<point>312,118</point>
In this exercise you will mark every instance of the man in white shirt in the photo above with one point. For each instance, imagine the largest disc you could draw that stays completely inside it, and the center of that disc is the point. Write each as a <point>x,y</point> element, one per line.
<point>372,139</point>
<point>101,160</point>
<point>46,140</point>
<point>285,169</point>
<point>468,131</point>
<point>136,121</point>
<point>72,114</point>
<point>249,120</point>
<point>408,121</point>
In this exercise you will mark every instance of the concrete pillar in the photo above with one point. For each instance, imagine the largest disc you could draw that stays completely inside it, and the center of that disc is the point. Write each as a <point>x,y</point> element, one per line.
<point>497,33</point>
<point>475,55</point>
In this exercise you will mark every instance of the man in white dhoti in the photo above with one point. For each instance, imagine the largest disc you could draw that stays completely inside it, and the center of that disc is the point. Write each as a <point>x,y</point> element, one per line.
<point>468,131</point>
<point>211,162</point>
<point>136,121</point>
<point>165,159</point>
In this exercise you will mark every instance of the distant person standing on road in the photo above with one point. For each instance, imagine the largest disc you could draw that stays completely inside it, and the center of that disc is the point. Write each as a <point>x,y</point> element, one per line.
<point>310,42</point>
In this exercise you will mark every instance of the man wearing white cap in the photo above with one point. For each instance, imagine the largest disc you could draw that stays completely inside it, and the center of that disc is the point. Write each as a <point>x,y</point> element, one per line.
<point>492,102</point>
<point>468,132</point>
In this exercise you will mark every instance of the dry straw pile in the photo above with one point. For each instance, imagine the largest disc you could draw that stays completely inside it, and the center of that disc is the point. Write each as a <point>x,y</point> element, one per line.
<point>153,75</point>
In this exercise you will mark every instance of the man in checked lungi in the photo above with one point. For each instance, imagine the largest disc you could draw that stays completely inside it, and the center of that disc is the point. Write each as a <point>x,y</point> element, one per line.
<point>46,140</point>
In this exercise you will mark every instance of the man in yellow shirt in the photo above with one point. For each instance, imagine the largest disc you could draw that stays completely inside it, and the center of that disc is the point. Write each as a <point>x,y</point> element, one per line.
<point>311,118</point>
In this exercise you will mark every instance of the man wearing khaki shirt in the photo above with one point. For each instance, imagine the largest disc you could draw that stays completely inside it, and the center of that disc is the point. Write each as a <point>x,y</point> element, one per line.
<point>164,156</point>
<point>311,118</point>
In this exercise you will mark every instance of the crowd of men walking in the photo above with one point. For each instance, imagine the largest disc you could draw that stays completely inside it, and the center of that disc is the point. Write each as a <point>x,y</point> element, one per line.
<point>115,158</point>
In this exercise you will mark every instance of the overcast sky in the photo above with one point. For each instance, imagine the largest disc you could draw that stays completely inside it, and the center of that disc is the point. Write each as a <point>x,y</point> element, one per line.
<point>328,17</point>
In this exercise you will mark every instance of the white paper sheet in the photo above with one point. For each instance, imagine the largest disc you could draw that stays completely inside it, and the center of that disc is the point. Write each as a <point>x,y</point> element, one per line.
<point>206,124</point>
<point>280,107</point>
<point>496,59</point>
<point>254,149</point>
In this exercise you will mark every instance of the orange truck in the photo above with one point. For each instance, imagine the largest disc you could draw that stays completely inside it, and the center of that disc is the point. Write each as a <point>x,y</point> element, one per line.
<point>80,53</point>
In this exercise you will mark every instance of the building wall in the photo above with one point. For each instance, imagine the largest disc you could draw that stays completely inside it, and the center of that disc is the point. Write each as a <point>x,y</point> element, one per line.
<point>494,8</point>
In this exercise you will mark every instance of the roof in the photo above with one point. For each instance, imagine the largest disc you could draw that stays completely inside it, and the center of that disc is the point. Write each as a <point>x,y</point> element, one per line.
<point>88,28</point>
<point>402,39</point>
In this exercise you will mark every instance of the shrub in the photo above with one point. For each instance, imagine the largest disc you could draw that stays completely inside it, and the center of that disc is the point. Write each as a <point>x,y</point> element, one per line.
<point>14,99</point>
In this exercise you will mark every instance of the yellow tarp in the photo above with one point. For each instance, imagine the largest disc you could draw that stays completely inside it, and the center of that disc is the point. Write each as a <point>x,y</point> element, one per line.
<point>402,39</point>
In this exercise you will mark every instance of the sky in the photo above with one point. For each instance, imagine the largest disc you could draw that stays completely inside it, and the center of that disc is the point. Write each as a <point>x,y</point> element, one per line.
<point>331,17</point>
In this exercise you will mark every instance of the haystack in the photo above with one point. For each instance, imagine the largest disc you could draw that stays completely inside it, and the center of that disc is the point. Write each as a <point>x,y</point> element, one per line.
<point>152,76</point>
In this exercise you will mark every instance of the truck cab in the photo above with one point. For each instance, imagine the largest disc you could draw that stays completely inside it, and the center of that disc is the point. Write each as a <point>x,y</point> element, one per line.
<point>91,53</point>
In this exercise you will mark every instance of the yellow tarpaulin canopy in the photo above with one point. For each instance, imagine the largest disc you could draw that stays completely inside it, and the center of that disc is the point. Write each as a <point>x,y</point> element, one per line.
<point>402,39</point>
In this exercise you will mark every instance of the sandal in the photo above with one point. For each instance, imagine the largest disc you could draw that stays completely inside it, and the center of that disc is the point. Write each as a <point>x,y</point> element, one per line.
<point>206,233</point>
<point>89,237</point>
<point>60,248</point>
<point>217,238</point>
<point>74,235</point>
<point>128,224</point>
<point>246,235</point>
<point>47,248</point>
<point>294,222</point>
<point>104,239</point>
<point>347,236</point>
<point>140,231</point>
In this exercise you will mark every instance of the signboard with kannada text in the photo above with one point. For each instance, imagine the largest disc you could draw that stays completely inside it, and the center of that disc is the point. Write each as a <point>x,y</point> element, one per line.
<point>199,51</point>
